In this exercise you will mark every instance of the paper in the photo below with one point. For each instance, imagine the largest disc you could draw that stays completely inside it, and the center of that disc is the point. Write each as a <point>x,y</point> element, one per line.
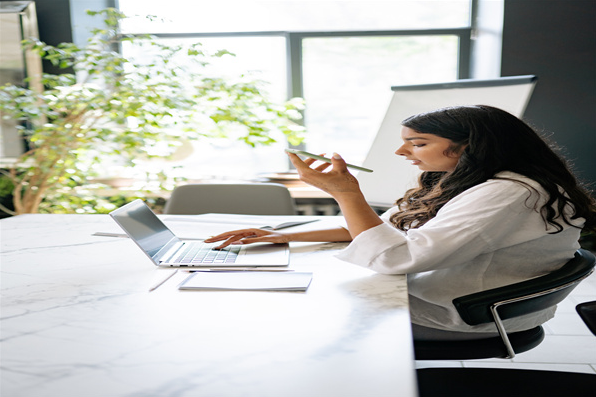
<point>247,281</point>
<point>261,221</point>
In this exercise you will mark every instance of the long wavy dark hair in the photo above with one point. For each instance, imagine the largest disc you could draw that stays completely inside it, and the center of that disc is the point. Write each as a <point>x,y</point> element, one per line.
<point>491,140</point>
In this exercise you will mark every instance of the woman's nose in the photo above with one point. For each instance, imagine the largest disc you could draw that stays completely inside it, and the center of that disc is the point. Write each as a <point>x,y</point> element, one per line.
<point>401,151</point>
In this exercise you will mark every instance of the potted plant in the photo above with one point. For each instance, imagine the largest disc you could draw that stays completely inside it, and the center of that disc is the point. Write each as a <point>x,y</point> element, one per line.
<point>111,106</point>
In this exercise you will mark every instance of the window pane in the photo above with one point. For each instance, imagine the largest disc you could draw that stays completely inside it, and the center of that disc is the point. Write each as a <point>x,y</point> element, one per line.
<point>347,84</point>
<point>265,58</point>
<point>186,16</point>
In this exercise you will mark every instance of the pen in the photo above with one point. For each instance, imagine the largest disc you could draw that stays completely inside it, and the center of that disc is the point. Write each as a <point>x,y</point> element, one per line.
<point>163,281</point>
<point>237,270</point>
<point>104,234</point>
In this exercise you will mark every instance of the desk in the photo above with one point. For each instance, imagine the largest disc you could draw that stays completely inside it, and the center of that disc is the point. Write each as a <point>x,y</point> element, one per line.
<point>77,320</point>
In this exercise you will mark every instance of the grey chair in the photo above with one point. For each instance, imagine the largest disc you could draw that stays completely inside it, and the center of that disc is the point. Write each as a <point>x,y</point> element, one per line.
<point>506,302</point>
<point>231,198</point>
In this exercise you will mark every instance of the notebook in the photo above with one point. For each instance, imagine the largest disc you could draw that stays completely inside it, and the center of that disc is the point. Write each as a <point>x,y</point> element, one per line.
<point>165,249</point>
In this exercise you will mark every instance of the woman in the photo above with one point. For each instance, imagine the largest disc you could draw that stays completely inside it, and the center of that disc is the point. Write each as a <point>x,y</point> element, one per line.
<point>494,206</point>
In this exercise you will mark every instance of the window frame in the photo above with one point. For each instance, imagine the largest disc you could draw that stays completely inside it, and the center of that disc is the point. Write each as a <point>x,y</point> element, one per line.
<point>294,49</point>
<point>294,76</point>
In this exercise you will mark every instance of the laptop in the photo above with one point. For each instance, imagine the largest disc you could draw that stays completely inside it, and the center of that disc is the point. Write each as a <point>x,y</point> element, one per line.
<point>165,249</point>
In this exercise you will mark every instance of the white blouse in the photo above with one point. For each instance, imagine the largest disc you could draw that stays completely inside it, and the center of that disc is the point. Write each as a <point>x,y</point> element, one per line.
<point>486,237</point>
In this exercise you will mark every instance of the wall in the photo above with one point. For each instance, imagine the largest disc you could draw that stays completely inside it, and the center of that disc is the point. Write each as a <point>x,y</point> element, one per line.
<point>54,24</point>
<point>556,40</point>
<point>53,19</point>
<point>61,21</point>
<point>487,38</point>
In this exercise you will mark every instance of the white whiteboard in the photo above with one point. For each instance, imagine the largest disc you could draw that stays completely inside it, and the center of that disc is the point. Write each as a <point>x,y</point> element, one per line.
<point>393,175</point>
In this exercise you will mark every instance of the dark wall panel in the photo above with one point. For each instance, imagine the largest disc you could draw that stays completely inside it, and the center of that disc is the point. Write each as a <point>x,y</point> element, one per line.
<point>556,40</point>
<point>54,23</point>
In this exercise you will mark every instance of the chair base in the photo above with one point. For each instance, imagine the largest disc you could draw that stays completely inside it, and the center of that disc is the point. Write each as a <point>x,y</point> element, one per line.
<point>478,348</point>
<point>493,382</point>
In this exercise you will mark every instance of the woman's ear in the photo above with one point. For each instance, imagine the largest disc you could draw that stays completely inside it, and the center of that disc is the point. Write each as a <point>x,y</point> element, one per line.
<point>456,150</point>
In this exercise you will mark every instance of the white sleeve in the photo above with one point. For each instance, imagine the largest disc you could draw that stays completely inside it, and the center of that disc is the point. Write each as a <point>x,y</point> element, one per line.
<point>475,222</point>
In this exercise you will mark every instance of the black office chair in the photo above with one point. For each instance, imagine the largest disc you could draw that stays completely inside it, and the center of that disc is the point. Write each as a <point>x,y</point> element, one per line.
<point>506,302</point>
<point>474,382</point>
<point>499,382</point>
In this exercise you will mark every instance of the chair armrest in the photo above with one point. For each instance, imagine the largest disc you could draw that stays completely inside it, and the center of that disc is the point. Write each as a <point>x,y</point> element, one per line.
<point>538,293</point>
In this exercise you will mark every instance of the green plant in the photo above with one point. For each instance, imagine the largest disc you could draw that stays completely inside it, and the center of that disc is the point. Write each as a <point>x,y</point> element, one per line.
<point>112,106</point>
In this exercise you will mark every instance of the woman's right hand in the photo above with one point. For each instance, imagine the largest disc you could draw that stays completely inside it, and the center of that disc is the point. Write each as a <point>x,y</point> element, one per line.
<point>249,236</point>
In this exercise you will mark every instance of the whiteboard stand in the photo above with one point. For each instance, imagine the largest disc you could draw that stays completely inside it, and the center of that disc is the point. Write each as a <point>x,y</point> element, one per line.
<point>393,175</point>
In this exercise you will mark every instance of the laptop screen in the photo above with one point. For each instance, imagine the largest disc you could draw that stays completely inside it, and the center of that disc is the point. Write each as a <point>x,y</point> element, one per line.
<point>141,225</point>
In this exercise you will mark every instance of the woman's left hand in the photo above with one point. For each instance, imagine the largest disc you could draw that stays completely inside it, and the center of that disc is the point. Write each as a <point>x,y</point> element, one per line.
<point>337,181</point>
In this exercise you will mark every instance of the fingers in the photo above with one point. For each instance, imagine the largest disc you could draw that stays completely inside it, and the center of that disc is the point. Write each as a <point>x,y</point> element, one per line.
<point>339,163</point>
<point>323,166</point>
<point>304,165</point>
<point>226,235</point>
<point>246,236</point>
<point>224,244</point>
<point>308,174</point>
<point>232,237</point>
<point>231,240</point>
<point>254,239</point>
<point>300,164</point>
<point>309,161</point>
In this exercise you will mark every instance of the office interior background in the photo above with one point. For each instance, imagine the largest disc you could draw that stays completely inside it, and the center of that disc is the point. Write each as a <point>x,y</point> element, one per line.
<point>343,58</point>
<point>480,39</point>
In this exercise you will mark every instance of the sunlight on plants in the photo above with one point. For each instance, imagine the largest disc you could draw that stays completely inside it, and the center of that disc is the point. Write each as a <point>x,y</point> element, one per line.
<point>106,106</point>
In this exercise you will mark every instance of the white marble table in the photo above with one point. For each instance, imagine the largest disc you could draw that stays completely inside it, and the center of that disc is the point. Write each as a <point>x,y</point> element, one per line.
<point>77,320</point>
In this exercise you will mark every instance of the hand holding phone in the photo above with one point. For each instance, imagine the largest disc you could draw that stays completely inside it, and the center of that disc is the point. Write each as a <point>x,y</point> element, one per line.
<point>325,159</point>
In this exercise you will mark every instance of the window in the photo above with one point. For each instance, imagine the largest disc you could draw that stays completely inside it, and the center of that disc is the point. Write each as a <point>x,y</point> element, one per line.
<point>342,57</point>
<point>347,83</point>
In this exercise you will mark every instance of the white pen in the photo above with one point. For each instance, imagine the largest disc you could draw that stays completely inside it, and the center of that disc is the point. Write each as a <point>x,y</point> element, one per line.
<point>232,270</point>
<point>163,281</point>
<point>104,234</point>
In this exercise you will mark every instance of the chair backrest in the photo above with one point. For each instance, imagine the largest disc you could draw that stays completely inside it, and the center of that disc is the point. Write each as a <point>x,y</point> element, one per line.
<point>527,296</point>
<point>231,198</point>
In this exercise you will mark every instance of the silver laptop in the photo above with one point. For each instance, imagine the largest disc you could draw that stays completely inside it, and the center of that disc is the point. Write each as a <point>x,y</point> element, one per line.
<point>165,249</point>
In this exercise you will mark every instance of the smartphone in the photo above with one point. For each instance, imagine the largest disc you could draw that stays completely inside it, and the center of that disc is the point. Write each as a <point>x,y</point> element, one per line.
<point>325,159</point>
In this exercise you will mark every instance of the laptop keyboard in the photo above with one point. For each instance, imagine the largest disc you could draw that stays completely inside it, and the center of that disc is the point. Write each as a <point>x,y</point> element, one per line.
<point>200,253</point>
